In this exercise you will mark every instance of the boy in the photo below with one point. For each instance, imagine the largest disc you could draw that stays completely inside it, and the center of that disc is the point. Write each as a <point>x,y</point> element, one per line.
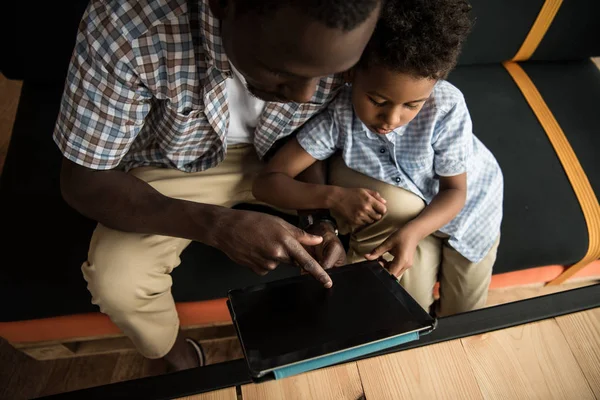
<point>404,132</point>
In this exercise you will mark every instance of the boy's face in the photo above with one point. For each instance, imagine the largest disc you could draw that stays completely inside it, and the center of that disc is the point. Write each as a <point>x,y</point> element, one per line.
<point>385,100</point>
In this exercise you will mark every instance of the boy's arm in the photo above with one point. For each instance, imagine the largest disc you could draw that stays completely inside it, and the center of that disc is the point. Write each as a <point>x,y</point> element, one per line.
<point>276,184</point>
<point>443,207</point>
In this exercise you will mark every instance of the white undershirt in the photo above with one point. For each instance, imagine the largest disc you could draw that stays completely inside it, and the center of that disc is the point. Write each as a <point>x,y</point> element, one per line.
<point>244,110</point>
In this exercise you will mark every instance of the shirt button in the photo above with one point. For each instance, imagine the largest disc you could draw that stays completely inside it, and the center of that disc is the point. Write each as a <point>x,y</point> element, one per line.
<point>382,150</point>
<point>398,179</point>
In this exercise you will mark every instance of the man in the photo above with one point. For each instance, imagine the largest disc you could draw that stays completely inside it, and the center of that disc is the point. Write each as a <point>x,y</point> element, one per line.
<point>168,107</point>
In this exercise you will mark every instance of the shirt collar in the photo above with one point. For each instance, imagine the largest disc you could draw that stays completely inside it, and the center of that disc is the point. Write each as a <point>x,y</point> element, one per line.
<point>359,125</point>
<point>211,38</point>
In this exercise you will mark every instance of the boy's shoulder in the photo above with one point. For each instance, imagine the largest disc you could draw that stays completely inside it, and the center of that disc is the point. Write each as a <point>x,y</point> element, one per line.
<point>446,96</point>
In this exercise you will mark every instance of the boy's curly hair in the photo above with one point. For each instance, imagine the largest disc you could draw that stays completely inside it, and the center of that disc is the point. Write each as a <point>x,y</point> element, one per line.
<point>419,37</point>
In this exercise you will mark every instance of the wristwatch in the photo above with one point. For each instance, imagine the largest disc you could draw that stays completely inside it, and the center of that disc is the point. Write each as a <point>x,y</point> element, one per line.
<point>308,220</point>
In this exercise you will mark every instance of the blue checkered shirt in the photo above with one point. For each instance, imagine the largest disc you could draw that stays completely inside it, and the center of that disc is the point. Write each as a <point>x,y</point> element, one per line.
<point>146,86</point>
<point>438,142</point>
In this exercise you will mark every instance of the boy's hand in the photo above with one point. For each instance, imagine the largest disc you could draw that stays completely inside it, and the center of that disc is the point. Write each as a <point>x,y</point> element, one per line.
<point>359,206</point>
<point>402,245</point>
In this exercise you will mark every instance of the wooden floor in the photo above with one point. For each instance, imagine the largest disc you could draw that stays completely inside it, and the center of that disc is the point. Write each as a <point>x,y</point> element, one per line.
<point>552,359</point>
<point>22,377</point>
<point>557,358</point>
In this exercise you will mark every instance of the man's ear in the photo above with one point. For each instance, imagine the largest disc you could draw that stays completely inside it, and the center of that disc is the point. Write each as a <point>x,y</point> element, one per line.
<point>220,8</point>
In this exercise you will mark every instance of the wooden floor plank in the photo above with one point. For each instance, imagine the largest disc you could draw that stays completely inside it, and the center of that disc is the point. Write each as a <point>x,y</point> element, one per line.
<point>80,373</point>
<point>340,383</point>
<point>21,377</point>
<point>439,371</point>
<point>134,366</point>
<point>528,361</point>
<point>582,332</point>
<point>223,394</point>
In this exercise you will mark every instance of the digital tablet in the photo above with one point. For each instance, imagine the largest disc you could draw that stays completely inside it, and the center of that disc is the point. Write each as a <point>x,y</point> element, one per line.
<point>295,325</point>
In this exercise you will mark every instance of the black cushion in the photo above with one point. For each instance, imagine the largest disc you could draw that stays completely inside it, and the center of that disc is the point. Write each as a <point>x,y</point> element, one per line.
<point>499,30</point>
<point>543,223</point>
<point>572,91</point>
<point>37,38</point>
<point>573,34</point>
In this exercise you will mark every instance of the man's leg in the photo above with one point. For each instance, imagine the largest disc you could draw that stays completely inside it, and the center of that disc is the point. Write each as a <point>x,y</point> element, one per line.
<point>128,274</point>
<point>464,285</point>
<point>402,206</point>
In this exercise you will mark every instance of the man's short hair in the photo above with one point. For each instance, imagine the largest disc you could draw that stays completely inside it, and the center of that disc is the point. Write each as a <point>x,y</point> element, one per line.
<point>337,14</point>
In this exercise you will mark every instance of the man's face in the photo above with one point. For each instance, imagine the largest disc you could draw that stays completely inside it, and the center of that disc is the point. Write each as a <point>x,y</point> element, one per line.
<point>283,54</point>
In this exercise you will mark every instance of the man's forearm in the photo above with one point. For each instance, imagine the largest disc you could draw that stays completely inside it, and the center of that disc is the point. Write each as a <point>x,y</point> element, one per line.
<point>121,201</point>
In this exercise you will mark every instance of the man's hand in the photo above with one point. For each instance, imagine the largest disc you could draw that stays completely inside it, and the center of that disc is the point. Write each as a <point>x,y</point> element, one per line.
<point>330,252</point>
<point>262,241</point>
<point>401,245</point>
<point>358,206</point>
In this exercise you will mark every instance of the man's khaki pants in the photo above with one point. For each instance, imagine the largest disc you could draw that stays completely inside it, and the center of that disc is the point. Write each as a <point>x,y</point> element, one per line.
<point>463,284</point>
<point>128,274</point>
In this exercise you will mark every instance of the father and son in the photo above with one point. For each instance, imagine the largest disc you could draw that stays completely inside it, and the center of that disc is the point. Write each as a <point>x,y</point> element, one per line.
<point>171,114</point>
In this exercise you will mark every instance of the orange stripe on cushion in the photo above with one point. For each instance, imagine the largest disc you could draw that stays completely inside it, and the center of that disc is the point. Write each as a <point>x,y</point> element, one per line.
<point>214,311</point>
<point>534,275</point>
<point>538,30</point>
<point>579,180</point>
<point>96,324</point>
<point>539,275</point>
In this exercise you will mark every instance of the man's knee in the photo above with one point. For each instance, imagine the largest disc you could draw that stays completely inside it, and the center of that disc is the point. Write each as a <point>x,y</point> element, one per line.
<point>123,274</point>
<point>112,291</point>
<point>402,206</point>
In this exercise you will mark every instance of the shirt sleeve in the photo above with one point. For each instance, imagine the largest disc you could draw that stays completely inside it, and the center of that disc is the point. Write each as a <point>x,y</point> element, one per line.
<point>453,142</point>
<point>319,136</point>
<point>104,104</point>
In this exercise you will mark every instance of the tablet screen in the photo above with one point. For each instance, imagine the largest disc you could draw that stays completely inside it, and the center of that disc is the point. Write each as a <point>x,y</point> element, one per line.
<point>297,319</point>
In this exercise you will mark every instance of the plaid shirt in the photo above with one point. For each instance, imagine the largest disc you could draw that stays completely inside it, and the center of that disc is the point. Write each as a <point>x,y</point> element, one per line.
<point>146,86</point>
<point>438,142</point>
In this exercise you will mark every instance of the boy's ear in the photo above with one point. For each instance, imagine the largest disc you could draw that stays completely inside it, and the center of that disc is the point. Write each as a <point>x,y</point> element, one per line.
<point>348,75</point>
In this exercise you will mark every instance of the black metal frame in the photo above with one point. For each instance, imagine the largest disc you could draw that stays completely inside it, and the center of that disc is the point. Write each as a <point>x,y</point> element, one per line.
<point>235,373</point>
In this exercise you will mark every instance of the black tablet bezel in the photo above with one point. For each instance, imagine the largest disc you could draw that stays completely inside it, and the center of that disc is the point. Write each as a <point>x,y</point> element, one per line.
<point>258,366</point>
